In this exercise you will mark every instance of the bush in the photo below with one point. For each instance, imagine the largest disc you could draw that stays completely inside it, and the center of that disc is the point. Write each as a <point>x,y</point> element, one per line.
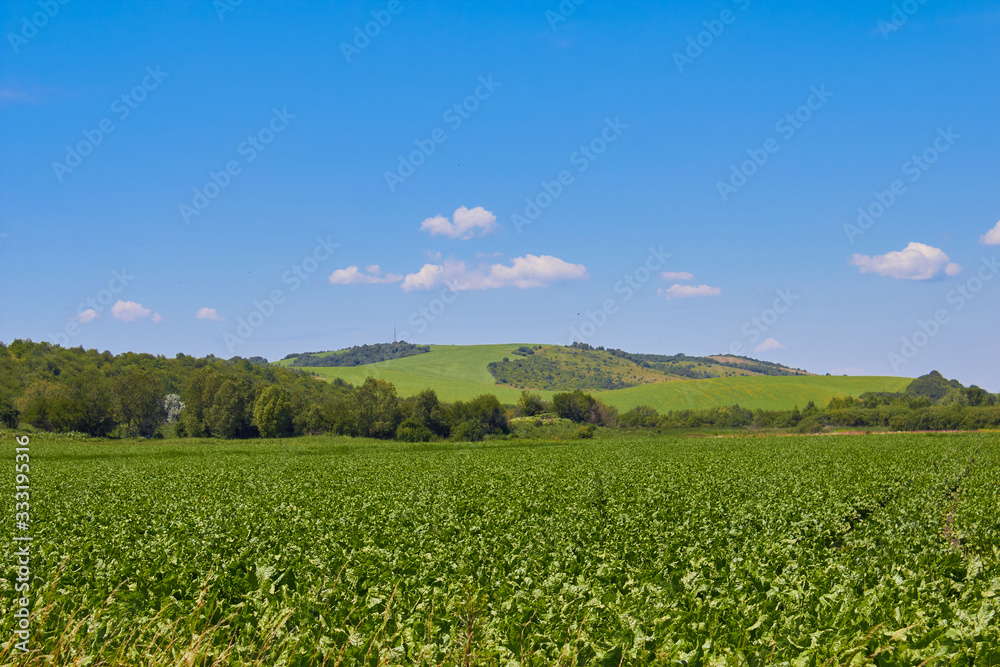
<point>574,405</point>
<point>468,431</point>
<point>585,432</point>
<point>641,416</point>
<point>485,411</point>
<point>412,430</point>
<point>531,404</point>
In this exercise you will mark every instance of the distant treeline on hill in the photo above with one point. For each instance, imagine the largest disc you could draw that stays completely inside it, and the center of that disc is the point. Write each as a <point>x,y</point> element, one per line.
<point>679,364</point>
<point>359,355</point>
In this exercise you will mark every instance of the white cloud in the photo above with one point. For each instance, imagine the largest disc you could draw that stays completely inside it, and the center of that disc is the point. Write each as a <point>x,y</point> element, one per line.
<point>688,291</point>
<point>129,311</point>
<point>209,314</point>
<point>372,276</point>
<point>431,275</point>
<point>157,318</point>
<point>468,224</point>
<point>991,237</point>
<point>676,275</point>
<point>914,262</point>
<point>85,316</point>
<point>523,272</point>
<point>769,344</point>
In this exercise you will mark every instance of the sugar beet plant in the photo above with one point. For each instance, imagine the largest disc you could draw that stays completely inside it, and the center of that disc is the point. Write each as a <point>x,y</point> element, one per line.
<point>807,551</point>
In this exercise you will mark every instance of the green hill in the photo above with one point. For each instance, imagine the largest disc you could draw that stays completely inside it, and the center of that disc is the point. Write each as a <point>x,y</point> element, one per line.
<point>460,372</point>
<point>764,392</point>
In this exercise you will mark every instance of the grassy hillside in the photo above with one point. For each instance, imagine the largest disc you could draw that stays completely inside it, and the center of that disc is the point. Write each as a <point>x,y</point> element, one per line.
<point>456,372</point>
<point>559,368</point>
<point>768,393</point>
<point>459,372</point>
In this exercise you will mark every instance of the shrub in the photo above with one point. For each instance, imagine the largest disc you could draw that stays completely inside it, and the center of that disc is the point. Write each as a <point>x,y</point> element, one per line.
<point>468,431</point>
<point>412,430</point>
<point>531,404</point>
<point>641,416</point>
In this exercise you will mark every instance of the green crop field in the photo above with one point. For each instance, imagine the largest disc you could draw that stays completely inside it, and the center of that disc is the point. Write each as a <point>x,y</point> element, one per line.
<point>458,372</point>
<point>455,372</point>
<point>768,393</point>
<point>880,549</point>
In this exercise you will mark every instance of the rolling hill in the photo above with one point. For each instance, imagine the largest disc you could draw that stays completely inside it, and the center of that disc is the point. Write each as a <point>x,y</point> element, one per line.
<point>460,372</point>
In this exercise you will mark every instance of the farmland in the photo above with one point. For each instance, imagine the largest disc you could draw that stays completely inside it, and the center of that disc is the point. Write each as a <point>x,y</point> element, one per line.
<point>321,550</point>
<point>459,372</point>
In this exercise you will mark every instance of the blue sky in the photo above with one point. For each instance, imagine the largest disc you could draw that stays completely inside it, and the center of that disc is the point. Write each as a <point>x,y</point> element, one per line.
<point>176,176</point>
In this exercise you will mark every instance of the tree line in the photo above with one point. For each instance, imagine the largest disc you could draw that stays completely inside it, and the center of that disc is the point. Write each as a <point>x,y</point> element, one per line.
<point>359,355</point>
<point>141,395</point>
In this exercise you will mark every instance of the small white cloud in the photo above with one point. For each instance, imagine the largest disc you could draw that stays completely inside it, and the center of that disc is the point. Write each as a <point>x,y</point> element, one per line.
<point>991,237</point>
<point>676,275</point>
<point>769,344</point>
<point>523,272</point>
<point>914,262</point>
<point>157,318</point>
<point>688,291</point>
<point>486,255</point>
<point>372,276</point>
<point>468,224</point>
<point>129,311</point>
<point>209,314</point>
<point>85,316</point>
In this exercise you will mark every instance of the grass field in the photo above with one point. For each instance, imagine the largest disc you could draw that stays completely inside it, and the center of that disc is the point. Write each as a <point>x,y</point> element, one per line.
<point>331,551</point>
<point>458,372</point>
<point>769,393</point>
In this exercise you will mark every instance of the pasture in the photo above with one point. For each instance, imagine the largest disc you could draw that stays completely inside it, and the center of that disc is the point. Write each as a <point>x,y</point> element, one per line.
<point>458,372</point>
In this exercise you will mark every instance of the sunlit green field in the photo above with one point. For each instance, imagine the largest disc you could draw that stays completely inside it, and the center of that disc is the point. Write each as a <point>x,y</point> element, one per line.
<point>880,549</point>
<point>458,372</point>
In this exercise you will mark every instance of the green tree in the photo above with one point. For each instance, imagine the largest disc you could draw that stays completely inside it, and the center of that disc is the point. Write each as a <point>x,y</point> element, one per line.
<point>574,405</point>
<point>531,404</point>
<point>484,412</point>
<point>412,430</point>
<point>230,414</point>
<point>641,416</point>
<point>138,399</point>
<point>375,410</point>
<point>37,404</point>
<point>429,413</point>
<point>201,391</point>
<point>85,404</point>
<point>272,413</point>
<point>10,416</point>
<point>976,396</point>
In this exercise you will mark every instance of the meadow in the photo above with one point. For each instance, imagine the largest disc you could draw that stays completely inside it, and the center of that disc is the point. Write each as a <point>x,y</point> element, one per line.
<point>458,372</point>
<point>878,549</point>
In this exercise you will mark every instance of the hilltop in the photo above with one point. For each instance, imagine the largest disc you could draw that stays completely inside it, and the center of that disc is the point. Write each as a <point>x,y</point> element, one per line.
<point>624,380</point>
